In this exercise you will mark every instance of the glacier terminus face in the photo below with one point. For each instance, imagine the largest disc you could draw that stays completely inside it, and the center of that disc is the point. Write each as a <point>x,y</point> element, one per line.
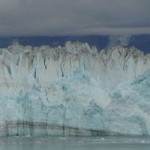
<point>74,90</point>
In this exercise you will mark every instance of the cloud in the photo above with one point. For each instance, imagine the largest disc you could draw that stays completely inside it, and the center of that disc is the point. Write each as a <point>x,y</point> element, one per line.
<point>74,17</point>
<point>118,40</point>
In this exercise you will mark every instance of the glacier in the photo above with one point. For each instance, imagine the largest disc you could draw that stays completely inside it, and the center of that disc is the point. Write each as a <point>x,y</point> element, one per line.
<point>74,90</point>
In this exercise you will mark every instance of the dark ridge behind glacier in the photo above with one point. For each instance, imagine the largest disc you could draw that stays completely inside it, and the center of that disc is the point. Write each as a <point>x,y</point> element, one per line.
<point>74,90</point>
<point>141,42</point>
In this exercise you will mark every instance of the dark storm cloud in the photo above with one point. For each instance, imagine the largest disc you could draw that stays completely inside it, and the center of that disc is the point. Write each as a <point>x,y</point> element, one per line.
<point>69,17</point>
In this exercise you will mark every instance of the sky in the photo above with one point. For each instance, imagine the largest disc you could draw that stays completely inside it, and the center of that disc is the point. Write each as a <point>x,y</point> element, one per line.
<point>74,17</point>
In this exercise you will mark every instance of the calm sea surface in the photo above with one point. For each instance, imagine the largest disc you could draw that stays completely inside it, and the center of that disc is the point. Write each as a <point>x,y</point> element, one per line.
<point>75,143</point>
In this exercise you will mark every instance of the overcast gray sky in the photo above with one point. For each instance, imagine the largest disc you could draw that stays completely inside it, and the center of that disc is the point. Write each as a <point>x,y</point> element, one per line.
<point>74,17</point>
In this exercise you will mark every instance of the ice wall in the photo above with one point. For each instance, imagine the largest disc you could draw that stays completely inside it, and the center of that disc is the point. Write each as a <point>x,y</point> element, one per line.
<point>74,90</point>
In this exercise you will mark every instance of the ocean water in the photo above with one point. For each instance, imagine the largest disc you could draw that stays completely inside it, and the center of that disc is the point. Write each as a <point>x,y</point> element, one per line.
<point>75,143</point>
